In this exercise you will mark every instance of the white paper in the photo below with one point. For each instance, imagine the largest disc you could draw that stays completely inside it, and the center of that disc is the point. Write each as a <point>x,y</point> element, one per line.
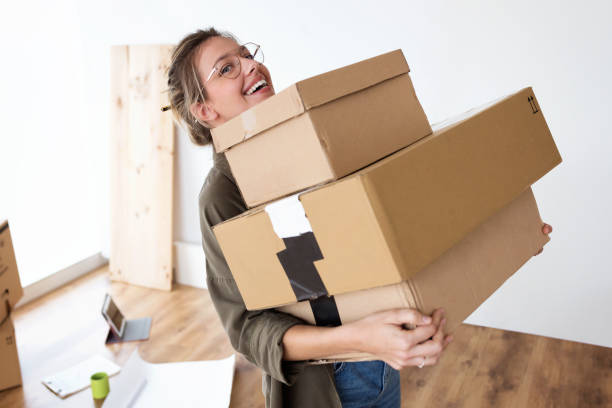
<point>185,384</point>
<point>77,378</point>
<point>288,217</point>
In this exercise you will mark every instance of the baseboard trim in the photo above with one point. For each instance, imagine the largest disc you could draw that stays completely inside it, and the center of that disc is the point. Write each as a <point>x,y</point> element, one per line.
<point>42,287</point>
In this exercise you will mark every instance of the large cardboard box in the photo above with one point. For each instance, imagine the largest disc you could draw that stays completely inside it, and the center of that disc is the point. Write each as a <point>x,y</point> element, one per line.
<point>10,293</point>
<point>385,223</point>
<point>460,280</point>
<point>322,128</point>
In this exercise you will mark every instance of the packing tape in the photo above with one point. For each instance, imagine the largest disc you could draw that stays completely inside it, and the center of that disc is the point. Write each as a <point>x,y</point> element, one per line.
<point>288,217</point>
<point>249,120</point>
<point>297,259</point>
<point>99,385</point>
<point>325,311</point>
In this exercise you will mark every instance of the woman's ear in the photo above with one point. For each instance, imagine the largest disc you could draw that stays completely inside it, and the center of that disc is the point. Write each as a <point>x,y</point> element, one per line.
<point>203,112</point>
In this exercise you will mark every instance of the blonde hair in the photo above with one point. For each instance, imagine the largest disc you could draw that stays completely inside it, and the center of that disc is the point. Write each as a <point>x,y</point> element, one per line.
<point>184,85</point>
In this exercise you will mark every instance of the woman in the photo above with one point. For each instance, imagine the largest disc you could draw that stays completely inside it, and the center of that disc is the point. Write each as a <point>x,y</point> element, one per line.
<point>211,80</point>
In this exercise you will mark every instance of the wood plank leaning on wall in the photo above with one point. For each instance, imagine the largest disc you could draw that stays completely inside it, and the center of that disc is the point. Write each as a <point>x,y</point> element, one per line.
<point>142,162</point>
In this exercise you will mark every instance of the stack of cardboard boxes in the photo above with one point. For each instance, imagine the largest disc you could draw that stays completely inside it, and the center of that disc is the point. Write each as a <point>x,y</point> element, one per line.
<point>360,206</point>
<point>11,292</point>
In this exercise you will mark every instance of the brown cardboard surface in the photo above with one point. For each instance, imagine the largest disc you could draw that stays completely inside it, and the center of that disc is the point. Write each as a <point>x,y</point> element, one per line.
<point>323,128</point>
<point>458,177</point>
<point>300,151</point>
<point>366,126</point>
<point>460,280</point>
<point>285,105</point>
<point>10,284</point>
<point>326,87</point>
<point>387,222</point>
<point>10,372</point>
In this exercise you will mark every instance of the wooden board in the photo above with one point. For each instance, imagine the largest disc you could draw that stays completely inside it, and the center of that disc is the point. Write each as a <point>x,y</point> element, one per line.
<point>142,161</point>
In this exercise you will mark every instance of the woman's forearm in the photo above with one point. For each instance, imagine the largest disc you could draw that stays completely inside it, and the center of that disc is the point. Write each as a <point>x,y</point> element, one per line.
<point>381,335</point>
<point>303,342</point>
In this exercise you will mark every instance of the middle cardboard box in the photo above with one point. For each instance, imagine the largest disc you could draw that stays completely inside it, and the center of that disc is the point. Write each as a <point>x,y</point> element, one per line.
<point>322,128</point>
<point>385,223</point>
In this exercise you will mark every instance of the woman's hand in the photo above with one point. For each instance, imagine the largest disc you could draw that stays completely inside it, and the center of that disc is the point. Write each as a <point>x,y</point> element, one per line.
<point>546,229</point>
<point>383,335</point>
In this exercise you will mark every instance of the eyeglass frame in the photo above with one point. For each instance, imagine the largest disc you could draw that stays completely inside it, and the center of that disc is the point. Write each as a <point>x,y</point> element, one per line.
<point>257,49</point>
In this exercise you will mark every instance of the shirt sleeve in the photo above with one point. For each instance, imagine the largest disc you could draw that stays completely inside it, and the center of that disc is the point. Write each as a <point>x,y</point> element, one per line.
<point>256,334</point>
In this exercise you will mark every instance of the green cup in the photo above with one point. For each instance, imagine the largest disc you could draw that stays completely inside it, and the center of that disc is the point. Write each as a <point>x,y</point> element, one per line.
<point>99,385</point>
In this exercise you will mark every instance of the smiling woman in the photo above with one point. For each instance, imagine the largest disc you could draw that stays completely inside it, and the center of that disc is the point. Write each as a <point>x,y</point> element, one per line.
<point>188,93</point>
<point>231,78</point>
<point>212,79</point>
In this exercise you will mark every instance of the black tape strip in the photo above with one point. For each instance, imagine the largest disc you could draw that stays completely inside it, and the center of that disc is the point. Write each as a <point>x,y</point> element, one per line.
<point>325,311</point>
<point>3,227</point>
<point>297,261</point>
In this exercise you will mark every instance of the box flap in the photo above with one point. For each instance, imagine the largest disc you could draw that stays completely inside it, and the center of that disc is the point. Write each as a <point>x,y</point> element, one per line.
<point>307,94</point>
<point>334,84</point>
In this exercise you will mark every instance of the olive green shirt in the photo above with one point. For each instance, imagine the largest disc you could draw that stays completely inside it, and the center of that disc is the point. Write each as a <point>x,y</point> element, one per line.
<point>256,334</point>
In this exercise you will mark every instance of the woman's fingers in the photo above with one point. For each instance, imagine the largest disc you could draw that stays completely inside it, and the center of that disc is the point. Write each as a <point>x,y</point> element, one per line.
<point>447,340</point>
<point>424,361</point>
<point>420,334</point>
<point>407,317</point>
<point>428,349</point>
<point>439,336</point>
<point>431,347</point>
<point>546,229</point>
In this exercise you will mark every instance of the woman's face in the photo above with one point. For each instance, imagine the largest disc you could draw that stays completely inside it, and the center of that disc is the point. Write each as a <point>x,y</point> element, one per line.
<point>227,97</point>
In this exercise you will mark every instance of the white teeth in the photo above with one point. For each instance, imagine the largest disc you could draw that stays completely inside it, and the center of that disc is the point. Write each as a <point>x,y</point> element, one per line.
<point>255,86</point>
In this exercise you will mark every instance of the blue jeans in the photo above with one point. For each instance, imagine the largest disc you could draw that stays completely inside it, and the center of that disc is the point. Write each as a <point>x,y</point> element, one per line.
<point>364,384</point>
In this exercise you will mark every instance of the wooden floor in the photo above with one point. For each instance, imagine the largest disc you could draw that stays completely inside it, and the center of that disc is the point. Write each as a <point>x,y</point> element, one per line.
<point>481,368</point>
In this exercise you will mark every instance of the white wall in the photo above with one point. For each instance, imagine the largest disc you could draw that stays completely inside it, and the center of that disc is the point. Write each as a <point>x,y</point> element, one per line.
<point>53,159</point>
<point>462,54</point>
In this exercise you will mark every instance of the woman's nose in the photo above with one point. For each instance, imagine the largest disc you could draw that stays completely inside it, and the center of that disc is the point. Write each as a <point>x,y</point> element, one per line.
<point>249,66</point>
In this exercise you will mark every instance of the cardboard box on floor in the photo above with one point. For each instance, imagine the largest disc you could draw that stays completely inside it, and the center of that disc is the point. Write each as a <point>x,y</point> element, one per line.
<point>323,128</point>
<point>10,285</point>
<point>10,372</point>
<point>460,280</point>
<point>10,293</point>
<point>385,223</point>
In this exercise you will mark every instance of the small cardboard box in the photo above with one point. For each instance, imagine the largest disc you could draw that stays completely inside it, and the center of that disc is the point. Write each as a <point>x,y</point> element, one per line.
<point>10,285</point>
<point>385,223</point>
<point>10,372</point>
<point>323,128</point>
<point>460,280</point>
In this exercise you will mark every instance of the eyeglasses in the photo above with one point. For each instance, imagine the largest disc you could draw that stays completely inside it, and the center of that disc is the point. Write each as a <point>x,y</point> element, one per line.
<point>228,66</point>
